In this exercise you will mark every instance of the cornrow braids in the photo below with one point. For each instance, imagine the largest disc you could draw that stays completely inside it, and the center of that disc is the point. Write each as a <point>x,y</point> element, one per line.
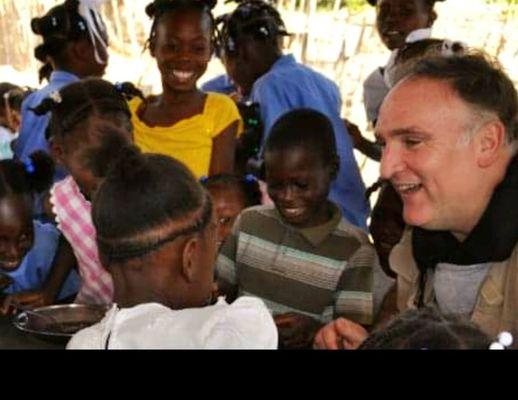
<point>77,102</point>
<point>26,178</point>
<point>158,8</point>
<point>146,201</point>
<point>427,329</point>
<point>256,18</point>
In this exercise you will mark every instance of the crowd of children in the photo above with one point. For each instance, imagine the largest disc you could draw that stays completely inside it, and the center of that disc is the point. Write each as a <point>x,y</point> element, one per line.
<point>156,206</point>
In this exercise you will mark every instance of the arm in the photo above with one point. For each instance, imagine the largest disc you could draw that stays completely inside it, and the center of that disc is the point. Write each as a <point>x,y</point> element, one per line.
<point>226,265</point>
<point>223,150</point>
<point>63,264</point>
<point>365,146</point>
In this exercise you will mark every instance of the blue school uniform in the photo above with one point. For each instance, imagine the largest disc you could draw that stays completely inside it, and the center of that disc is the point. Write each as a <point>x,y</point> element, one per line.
<point>33,127</point>
<point>36,265</point>
<point>220,84</point>
<point>289,85</point>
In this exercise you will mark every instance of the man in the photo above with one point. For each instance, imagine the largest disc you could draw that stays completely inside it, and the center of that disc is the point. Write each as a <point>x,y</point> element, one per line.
<point>449,133</point>
<point>251,43</point>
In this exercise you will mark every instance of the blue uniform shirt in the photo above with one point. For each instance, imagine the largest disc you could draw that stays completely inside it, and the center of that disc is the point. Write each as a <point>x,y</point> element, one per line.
<point>289,85</point>
<point>220,84</point>
<point>35,267</point>
<point>32,129</point>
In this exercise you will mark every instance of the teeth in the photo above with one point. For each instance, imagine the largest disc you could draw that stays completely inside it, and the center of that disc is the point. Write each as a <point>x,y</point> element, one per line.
<point>183,75</point>
<point>407,187</point>
<point>293,211</point>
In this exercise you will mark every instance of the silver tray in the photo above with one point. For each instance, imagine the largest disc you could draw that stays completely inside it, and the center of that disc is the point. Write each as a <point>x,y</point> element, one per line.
<point>59,322</point>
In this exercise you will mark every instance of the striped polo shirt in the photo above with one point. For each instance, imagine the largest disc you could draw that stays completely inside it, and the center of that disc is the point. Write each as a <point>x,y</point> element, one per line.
<point>323,272</point>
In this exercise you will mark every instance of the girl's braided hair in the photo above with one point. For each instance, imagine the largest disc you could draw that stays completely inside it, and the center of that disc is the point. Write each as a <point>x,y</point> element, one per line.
<point>158,8</point>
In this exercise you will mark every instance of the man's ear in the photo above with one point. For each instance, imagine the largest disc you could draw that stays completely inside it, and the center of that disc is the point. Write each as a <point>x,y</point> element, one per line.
<point>489,141</point>
<point>190,258</point>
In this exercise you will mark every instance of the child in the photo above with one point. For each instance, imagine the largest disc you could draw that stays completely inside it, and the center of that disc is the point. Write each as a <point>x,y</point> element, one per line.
<point>397,22</point>
<point>251,42</point>
<point>194,127</point>
<point>74,46</point>
<point>11,97</point>
<point>27,247</point>
<point>230,195</point>
<point>90,123</point>
<point>157,235</point>
<point>301,257</point>
<point>387,224</point>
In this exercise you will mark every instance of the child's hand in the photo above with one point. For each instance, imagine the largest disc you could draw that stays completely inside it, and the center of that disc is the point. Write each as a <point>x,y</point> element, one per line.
<point>296,331</point>
<point>340,334</point>
<point>354,132</point>
<point>33,299</point>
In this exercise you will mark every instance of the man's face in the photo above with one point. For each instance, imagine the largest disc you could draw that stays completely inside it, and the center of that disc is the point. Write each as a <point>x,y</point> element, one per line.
<point>395,19</point>
<point>421,125</point>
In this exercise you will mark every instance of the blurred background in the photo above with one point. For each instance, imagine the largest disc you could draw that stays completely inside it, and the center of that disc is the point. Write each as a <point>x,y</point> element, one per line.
<point>336,37</point>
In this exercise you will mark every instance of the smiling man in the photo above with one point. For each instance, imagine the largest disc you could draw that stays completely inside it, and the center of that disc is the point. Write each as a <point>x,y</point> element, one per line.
<point>449,133</point>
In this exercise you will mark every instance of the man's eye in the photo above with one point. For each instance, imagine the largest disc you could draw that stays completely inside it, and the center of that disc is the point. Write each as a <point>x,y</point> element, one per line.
<point>224,221</point>
<point>301,185</point>
<point>412,142</point>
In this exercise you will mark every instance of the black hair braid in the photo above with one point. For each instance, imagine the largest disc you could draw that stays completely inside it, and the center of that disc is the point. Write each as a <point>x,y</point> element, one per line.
<point>26,178</point>
<point>158,8</point>
<point>255,18</point>
<point>128,90</point>
<point>79,101</point>
<point>427,329</point>
<point>248,185</point>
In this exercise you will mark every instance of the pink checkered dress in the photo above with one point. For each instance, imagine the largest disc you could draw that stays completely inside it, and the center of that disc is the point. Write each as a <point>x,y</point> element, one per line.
<point>73,215</point>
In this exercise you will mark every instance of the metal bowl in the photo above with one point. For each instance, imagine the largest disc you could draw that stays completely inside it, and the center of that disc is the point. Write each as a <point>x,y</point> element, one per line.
<point>59,323</point>
<point>5,281</point>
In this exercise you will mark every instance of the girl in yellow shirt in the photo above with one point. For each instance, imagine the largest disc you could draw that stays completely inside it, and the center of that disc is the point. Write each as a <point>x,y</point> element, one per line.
<point>196,128</point>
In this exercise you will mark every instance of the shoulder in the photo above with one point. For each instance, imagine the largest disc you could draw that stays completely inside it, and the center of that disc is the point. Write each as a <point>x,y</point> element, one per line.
<point>258,214</point>
<point>245,324</point>
<point>346,229</point>
<point>220,100</point>
<point>45,235</point>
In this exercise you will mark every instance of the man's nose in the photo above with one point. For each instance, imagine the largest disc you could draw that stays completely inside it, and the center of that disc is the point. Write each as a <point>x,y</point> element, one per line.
<point>391,162</point>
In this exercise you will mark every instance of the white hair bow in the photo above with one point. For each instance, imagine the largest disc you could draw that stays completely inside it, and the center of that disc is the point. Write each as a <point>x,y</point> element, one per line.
<point>89,10</point>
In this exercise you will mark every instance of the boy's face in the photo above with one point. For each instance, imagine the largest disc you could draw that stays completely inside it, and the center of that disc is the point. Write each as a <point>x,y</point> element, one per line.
<point>182,48</point>
<point>298,183</point>
<point>395,19</point>
<point>16,232</point>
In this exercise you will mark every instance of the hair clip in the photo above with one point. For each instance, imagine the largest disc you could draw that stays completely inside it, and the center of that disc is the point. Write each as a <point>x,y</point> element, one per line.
<point>505,339</point>
<point>56,96</point>
<point>81,25</point>
<point>264,31</point>
<point>29,166</point>
<point>54,21</point>
<point>249,178</point>
<point>203,179</point>
<point>450,48</point>
<point>119,87</point>
<point>6,95</point>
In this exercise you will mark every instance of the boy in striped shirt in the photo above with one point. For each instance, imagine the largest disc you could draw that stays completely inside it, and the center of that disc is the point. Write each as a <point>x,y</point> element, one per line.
<point>307,263</point>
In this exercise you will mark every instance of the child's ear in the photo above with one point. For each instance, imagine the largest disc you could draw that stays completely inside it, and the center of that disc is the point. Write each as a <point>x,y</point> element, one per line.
<point>431,18</point>
<point>190,258</point>
<point>56,150</point>
<point>489,141</point>
<point>334,167</point>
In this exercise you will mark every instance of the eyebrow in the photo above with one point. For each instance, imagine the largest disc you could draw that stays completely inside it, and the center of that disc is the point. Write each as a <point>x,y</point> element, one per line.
<point>401,132</point>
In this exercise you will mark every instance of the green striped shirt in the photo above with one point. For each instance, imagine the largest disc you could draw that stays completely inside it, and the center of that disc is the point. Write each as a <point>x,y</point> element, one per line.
<point>323,272</point>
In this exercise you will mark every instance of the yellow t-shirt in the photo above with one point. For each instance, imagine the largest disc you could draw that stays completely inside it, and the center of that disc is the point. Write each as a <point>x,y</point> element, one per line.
<point>188,140</point>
